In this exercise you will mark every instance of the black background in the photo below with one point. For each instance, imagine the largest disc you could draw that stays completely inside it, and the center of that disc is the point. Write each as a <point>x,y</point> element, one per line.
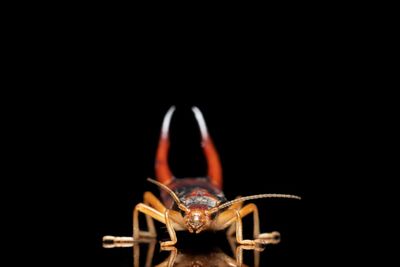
<point>274,108</point>
<point>104,151</point>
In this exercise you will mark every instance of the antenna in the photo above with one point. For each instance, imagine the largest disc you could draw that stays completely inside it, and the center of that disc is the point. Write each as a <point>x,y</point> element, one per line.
<point>172,193</point>
<point>229,203</point>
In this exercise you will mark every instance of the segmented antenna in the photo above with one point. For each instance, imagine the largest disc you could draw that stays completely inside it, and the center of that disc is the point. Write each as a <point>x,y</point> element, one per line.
<point>172,193</point>
<point>229,203</point>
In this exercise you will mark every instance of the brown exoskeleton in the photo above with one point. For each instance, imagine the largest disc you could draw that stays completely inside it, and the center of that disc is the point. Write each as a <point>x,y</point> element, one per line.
<point>195,204</point>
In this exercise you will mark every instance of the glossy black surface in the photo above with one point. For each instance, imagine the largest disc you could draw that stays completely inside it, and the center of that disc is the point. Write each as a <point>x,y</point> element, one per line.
<point>262,149</point>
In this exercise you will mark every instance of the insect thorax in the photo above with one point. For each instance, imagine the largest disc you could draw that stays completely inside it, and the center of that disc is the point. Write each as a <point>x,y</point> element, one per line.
<point>194,193</point>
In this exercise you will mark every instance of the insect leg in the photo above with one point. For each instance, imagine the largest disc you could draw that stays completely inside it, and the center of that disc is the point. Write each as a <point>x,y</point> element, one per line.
<point>110,241</point>
<point>265,238</point>
<point>147,210</point>
<point>239,254</point>
<point>169,262</point>
<point>246,210</point>
<point>149,256</point>
<point>170,229</point>
<point>150,252</point>
<point>151,201</point>
<point>239,231</point>
<point>232,228</point>
<point>224,219</point>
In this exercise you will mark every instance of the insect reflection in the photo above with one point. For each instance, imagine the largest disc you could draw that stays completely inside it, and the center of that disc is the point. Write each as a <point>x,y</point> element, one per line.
<point>177,257</point>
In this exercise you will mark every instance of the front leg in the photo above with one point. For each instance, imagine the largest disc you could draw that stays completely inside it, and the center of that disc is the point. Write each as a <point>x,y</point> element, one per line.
<point>264,238</point>
<point>226,219</point>
<point>170,229</point>
<point>152,201</point>
<point>239,231</point>
<point>233,218</point>
<point>147,210</point>
<point>168,262</point>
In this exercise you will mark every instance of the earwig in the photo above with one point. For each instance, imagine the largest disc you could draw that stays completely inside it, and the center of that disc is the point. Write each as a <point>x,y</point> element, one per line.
<point>195,204</point>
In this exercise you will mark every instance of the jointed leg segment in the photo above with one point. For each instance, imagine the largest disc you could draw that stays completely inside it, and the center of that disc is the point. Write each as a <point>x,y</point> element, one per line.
<point>233,218</point>
<point>152,213</point>
<point>243,212</point>
<point>153,209</point>
<point>152,201</point>
<point>170,229</point>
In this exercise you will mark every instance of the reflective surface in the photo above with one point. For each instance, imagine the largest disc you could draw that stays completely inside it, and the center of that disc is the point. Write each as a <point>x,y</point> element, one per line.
<point>120,149</point>
<point>144,253</point>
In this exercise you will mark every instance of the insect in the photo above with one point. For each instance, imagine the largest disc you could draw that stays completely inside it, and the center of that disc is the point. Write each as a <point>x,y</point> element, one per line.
<point>195,204</point>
